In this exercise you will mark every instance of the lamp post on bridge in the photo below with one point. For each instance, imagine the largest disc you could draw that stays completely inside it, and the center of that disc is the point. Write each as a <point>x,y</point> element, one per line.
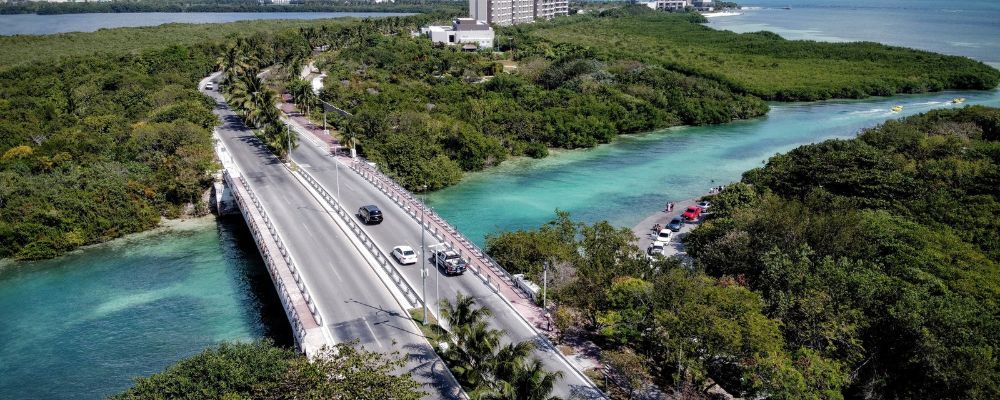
<point>423,259</point>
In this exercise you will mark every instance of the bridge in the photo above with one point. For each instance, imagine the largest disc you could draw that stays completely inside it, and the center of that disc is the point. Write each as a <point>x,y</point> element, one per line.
<point>335,277</point>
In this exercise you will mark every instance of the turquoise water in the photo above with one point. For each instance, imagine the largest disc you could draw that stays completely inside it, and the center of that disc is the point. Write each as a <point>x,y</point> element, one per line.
<point>626,181</point>
<point>81,326</point>
<point>32,24</point>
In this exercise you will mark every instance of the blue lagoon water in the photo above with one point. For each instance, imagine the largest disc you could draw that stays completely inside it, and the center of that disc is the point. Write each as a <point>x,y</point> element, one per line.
<point>81,326</point>
<point>626,181</point>
<point>32,24</point>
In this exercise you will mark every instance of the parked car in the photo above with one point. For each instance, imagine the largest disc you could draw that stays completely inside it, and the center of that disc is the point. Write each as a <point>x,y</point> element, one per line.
<point>656,247</point>
<point>449,261</point>
<point>370,214</point>
<point>692,213</point>
<point>664,235</point>
<point>704,205</point>
<point>676,224</point>
<point>209,86</point>
<point>404,254</point>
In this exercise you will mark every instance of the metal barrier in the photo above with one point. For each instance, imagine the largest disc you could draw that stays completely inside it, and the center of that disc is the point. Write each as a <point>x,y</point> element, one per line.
<point>398,193</point>
<point>269,260</point>
<point>384,261</point>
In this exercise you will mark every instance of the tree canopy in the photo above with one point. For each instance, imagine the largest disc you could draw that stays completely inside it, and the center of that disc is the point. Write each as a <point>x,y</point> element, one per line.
<point>259,370</point>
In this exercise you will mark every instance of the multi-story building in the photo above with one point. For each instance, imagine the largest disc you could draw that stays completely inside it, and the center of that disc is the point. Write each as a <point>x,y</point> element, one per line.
<point>510,12</point>
<point>668,5</point>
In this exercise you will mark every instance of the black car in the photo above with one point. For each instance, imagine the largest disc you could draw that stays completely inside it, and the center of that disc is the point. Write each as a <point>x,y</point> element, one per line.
<point>370,215</point>
<point>676,223</point>
<point>450,262</point>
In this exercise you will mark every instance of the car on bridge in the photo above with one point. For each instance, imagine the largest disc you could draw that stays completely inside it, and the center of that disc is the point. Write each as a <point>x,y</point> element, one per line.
<point>404,254</point>
<point>449,261</point>
<point>370,214</point>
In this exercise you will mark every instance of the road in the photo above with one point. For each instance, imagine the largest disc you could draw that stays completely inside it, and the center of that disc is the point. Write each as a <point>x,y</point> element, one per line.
<point>400,229</point>
<point>352,299</point>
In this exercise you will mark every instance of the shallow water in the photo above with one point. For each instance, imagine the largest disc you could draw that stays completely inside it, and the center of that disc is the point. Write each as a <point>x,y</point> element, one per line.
<point>81,326</point>
<point>626,181</point>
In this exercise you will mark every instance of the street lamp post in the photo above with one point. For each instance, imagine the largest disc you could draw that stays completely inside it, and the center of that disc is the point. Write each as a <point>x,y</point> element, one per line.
<point>545,281</point>
<point>423,262</point>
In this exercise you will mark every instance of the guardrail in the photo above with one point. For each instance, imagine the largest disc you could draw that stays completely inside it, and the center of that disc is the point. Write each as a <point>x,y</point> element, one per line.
<point>384,261</point>
<point>398,194</point>
<point>298,329</point>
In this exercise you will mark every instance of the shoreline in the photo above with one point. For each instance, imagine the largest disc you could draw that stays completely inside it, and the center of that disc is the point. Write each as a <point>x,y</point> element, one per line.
<point>166,225</point>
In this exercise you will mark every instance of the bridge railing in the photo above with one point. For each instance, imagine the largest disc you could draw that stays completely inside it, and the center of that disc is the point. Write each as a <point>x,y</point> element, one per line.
<point>404,197</point>
<point>271,260</point>
<point>384,261</point>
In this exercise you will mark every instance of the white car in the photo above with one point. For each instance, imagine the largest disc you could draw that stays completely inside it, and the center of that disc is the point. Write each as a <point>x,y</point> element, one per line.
<point>664,235</point>
<point>404,254</point>
<point>704,205</point>
<point>656,247</point>
<point>209,86</point>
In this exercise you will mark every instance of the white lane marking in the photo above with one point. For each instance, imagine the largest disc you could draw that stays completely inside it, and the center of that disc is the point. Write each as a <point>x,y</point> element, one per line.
<point>369,326</point>
<point>334,269</point>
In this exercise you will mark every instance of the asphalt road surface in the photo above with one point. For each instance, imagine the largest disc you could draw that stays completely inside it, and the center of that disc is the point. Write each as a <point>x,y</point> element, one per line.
<point>353,301</point>
<point>399,228</point>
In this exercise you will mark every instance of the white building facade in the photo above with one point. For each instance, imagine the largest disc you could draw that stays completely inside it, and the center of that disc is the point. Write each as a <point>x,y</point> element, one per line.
<point>511,12</point>
<point>462,31</point>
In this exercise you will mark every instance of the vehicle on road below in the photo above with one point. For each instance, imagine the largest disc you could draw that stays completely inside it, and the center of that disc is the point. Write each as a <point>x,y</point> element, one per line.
<point>704,205</point>
<point>370,214</point>
<point>656,247</point>
<point>209,86</point>
<point>404,254</point>
<point>692,213</point>
<point>676,224</point>
<point>664,235</point>
<point>450,262</point>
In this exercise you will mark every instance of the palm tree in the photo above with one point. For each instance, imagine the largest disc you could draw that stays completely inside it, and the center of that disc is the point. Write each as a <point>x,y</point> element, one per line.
<point>530,382</point>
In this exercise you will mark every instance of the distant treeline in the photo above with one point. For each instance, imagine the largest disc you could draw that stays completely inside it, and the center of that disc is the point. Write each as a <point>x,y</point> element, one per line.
<point>402,6</point>
<point>762,64</point>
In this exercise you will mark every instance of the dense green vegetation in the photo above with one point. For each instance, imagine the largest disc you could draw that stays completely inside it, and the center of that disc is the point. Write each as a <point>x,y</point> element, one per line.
<point>485,368</point>
<point>762,64</point>
<point>426,113</point>
<point>880,252</point>
<point>122,6</point>
<point>261,371</point>
<point>97,147</point>
<point>863,268</point>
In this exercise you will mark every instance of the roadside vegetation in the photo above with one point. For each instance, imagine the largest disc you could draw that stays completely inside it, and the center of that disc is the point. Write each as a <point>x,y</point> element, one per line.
<point>475,354</point>
<point>259,370</point>
<point>861,268</point>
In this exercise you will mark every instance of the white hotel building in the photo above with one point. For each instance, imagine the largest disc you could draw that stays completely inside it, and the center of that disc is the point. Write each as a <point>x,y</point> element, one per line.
<point>511,12</point>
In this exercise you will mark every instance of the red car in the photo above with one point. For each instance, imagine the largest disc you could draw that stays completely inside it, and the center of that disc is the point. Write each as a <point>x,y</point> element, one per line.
<point>692,213</point>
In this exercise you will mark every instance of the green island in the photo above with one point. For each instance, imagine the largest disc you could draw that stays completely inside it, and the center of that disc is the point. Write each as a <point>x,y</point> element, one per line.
<point>842,269</point>
<point>91,127</point>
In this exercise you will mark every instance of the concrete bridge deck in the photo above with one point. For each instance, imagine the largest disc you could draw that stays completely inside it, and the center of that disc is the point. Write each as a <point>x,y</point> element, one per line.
<point>513,312</point>
<point>352,301</point>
